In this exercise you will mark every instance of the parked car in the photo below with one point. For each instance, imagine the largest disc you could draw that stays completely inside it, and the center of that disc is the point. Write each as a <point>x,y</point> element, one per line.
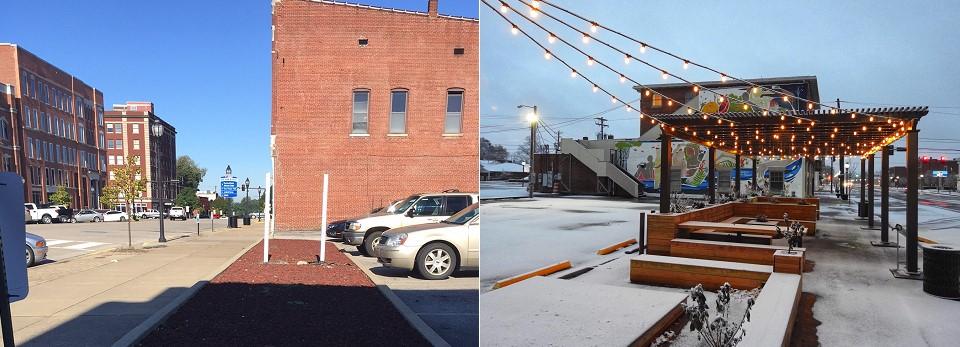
<point>87,215</point>
<point>114,216</point>
<point>36,249</point>
<point>434,250</point>
<point>414,210</point>
<point>148,214</point>
<point>44,215</point>
<point>64,213</point>
<point>177,212</point>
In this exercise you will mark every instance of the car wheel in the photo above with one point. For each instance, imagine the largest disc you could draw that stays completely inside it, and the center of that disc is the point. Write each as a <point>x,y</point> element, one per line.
<point>30,257</point>
<point>436,261</point>
<point>46,219</point>
<point>96,220</point>
<point>73,220</point>
<point>370,243</point>
<point>123,219</point>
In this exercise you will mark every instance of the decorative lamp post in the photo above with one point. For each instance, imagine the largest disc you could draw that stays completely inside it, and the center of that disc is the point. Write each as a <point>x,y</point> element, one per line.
<point>533,119</point>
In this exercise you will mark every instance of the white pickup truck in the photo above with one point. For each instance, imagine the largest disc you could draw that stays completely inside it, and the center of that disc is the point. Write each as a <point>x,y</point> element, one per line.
<point>41,215</point>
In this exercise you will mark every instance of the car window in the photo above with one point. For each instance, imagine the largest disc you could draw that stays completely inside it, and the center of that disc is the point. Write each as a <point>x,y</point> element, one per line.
<point>455,203</point>
<point>464,215</point>
<point>428,206</point>
<point>402,206</point>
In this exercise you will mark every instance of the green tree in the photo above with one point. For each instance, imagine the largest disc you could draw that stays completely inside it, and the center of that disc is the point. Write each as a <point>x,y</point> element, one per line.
<point>189,173</point>
<point>224,205</point>
<point>108,196</point>
<point>128,186</point>
<point>187,197</point>
<point>61,197</point>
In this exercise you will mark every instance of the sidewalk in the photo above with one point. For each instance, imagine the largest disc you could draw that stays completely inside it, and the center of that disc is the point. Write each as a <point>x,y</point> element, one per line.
<point>95,300</point>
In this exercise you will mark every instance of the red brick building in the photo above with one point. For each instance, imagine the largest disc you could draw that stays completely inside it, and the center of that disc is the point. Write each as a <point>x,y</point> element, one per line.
<point>383,100</point>
<point>130,134</point>
<point>54,128</point>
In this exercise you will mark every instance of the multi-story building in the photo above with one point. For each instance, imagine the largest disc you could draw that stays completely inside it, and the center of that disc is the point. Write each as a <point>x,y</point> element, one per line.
<point>383,100</point>
<point>54,129</point>
<point>134,132</point>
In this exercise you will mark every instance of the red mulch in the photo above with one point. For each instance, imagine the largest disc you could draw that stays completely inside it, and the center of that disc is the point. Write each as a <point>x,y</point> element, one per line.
<point>284,304</point>
<point>805,327</point>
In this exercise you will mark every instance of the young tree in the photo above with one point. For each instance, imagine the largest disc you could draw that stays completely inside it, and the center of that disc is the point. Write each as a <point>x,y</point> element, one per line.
<point>187,197</point>
<point>61,197</point>
<point>128,185</point>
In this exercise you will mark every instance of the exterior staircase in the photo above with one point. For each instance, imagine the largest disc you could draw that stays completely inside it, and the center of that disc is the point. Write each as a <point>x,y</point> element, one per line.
<point>599,161</point>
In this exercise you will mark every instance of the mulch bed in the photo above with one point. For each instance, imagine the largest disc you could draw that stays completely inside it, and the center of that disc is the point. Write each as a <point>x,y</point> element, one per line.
<point>284,304</point>
<point>805,327</point>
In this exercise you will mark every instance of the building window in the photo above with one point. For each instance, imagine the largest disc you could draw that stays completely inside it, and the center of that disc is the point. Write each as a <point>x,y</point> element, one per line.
<point>111,175</point>
<point>361,108</point>
<point>136,143</point>
<point>110,128</point>
<point>111,160</point>
<point>136,128</point>
<point>118,144</point>
<point>109,144</point>
<point>118,128</point>
<point>26,118</point>
<point>657,101</point>
<point>452,123</point>
<point>4,133</point>
<point>120,160</point>
<point>398,112</point>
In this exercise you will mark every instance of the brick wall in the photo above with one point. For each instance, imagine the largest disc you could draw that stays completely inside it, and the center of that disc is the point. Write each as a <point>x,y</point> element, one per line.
<point>318,63</point>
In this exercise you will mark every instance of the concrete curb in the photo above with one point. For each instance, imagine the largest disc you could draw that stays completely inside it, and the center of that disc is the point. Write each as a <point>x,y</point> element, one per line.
<point>134,336</point>
<point>413,318</point>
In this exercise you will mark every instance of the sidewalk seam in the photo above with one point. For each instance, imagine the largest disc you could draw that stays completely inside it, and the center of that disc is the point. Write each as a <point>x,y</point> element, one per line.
<point>412,317</point>
<point>140,331</point>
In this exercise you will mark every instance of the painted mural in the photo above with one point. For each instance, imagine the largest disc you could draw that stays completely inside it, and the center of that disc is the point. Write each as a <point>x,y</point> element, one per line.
<point>643,160</point>
<point>738,99</point>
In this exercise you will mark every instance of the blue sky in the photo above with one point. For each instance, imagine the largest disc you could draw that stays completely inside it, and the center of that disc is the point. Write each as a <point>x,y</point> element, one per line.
<point>865,51</point>
<point>205,65</point>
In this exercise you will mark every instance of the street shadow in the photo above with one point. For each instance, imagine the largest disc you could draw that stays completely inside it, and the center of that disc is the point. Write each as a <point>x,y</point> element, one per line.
<point>453,314</point>
<point>103,324</point>
<point>403,273</point>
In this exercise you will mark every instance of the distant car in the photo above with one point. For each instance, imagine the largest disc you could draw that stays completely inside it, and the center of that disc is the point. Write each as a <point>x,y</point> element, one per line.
<point>36,249</point>
<point>257,215</point>
<point>114,216</point>
<point>42,215</point>
<point>434,250</point>
<point>64,213</point>
<point>87,216</point>
<point>177,212</point>
<point>148,214</point>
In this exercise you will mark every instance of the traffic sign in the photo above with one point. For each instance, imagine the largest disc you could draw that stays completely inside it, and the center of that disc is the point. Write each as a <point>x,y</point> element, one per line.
<point>228,187</point>
<point>939,173</point>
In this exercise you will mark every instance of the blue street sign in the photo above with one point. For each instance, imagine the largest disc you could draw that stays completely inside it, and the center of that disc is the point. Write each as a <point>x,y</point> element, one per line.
<point>228,187</point>
<point>939,173</point>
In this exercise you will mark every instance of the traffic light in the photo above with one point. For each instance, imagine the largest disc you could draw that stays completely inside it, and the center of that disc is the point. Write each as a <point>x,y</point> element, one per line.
<point>943,160</point>
<point>925,159</point>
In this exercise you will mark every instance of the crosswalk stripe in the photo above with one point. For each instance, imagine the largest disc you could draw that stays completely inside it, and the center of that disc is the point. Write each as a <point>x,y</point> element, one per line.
<point>85,245</point>
<point>57,242</point>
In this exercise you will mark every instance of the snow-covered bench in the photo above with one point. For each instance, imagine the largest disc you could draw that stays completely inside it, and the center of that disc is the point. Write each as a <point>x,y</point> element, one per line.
<point>713,235</point>
<point>772,317</point>
<point>725,251</point>
<point>688,272</point>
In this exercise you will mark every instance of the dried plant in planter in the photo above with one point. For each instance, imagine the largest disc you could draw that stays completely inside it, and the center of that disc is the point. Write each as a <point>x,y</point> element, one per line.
<point>719,331</point>
<point>761,218</point>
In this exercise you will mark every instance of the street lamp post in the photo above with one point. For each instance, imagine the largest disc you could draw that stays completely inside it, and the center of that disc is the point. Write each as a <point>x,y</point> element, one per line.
<point>533,119</point>
<point>246,187</point>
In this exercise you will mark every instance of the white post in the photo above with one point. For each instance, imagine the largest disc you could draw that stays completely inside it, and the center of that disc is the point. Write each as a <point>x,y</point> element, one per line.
<point>266,223</point>
<point>323,218</point>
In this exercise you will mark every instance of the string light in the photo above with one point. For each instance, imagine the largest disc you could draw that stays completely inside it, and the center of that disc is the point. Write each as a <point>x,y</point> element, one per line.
<point>643,48</point>
<point>663,74</point>
<point>593,27</point>
<point>646,92</point>
<point>514,30</point>
<point>585,38</point>
<point>686,64</point>
<point>535,3</point>
<point>534,12</point>
<point>755,90</point>
<point>723,77</point>
<point>547,55</point>
<point>613,99</point>
<point>623,78</point>
<point>573,73</point>
<point>589,61</point>
<point>627,58</point>
<point>595,88</point>
<point>696,88</point>
<point>503,7</point>
<point>552,38</point>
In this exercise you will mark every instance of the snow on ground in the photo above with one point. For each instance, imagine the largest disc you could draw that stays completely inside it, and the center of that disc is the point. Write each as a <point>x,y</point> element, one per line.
<point>858,301</point>
<point>523,235</point>
<point>935,223</point>
<point>502,189</point>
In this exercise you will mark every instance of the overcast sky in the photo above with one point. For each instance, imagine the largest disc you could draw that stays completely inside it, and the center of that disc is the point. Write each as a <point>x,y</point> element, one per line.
<point>890,53</point>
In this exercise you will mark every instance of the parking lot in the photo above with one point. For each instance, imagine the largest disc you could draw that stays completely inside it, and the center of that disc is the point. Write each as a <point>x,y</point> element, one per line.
<point>68,240</point>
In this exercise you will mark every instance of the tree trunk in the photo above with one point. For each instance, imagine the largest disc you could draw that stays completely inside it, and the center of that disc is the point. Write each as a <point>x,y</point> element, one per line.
<point>129,233</point>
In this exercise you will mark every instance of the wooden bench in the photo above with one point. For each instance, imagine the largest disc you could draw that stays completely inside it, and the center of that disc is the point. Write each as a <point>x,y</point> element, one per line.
<point>713,235</point>
<point>688,272</point>
<point>729,227</point>
<point>725,251</point>
<point>773,315</point>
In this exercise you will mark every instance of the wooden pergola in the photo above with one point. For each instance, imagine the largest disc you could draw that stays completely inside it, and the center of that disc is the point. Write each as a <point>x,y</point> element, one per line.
<point>805,134</point>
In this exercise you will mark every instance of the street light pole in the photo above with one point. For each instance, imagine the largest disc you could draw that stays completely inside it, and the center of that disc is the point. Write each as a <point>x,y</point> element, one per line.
<point>533,118</point>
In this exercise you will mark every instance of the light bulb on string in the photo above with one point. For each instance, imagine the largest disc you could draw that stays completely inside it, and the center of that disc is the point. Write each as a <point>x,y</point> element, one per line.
<point>613,100</point>
<point>547,55</point>
<point>755,90</point>
<point>552,38</point>
<point>595,88</point>
<point>534,12</point>
<point>503,7</point>
<point>696,88</point>
<point>594,26</point>
<point>646,92</point>
<point>623,78</point>
<point>627,58</point>
<point>663,74</point>
<point>686,64</point>
<point>589,61</point>
<point>723,77</point>
<point>514,30</point>
<point>535,3</point>
<point>585,38</point>
<point>573,73</point>
<point>643,48</point>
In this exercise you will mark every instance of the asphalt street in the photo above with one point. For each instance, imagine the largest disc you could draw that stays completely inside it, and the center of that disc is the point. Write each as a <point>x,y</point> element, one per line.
<point>66,240</point>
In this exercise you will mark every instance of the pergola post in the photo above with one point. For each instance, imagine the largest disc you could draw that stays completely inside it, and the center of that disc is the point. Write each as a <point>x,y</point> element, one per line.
<point>712,175</point>
<point>753,176</point>
<point>913,185</point>
<point>843,177</point>
<point>885,199</point>
<point>870,185</point>
<point>736,181</point>
<point>666,161</point>
<point>863,189</point>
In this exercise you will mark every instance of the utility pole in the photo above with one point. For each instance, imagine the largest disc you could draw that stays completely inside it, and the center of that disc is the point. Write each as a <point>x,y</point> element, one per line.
<point>533,118</point>
<point>602,123</point>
